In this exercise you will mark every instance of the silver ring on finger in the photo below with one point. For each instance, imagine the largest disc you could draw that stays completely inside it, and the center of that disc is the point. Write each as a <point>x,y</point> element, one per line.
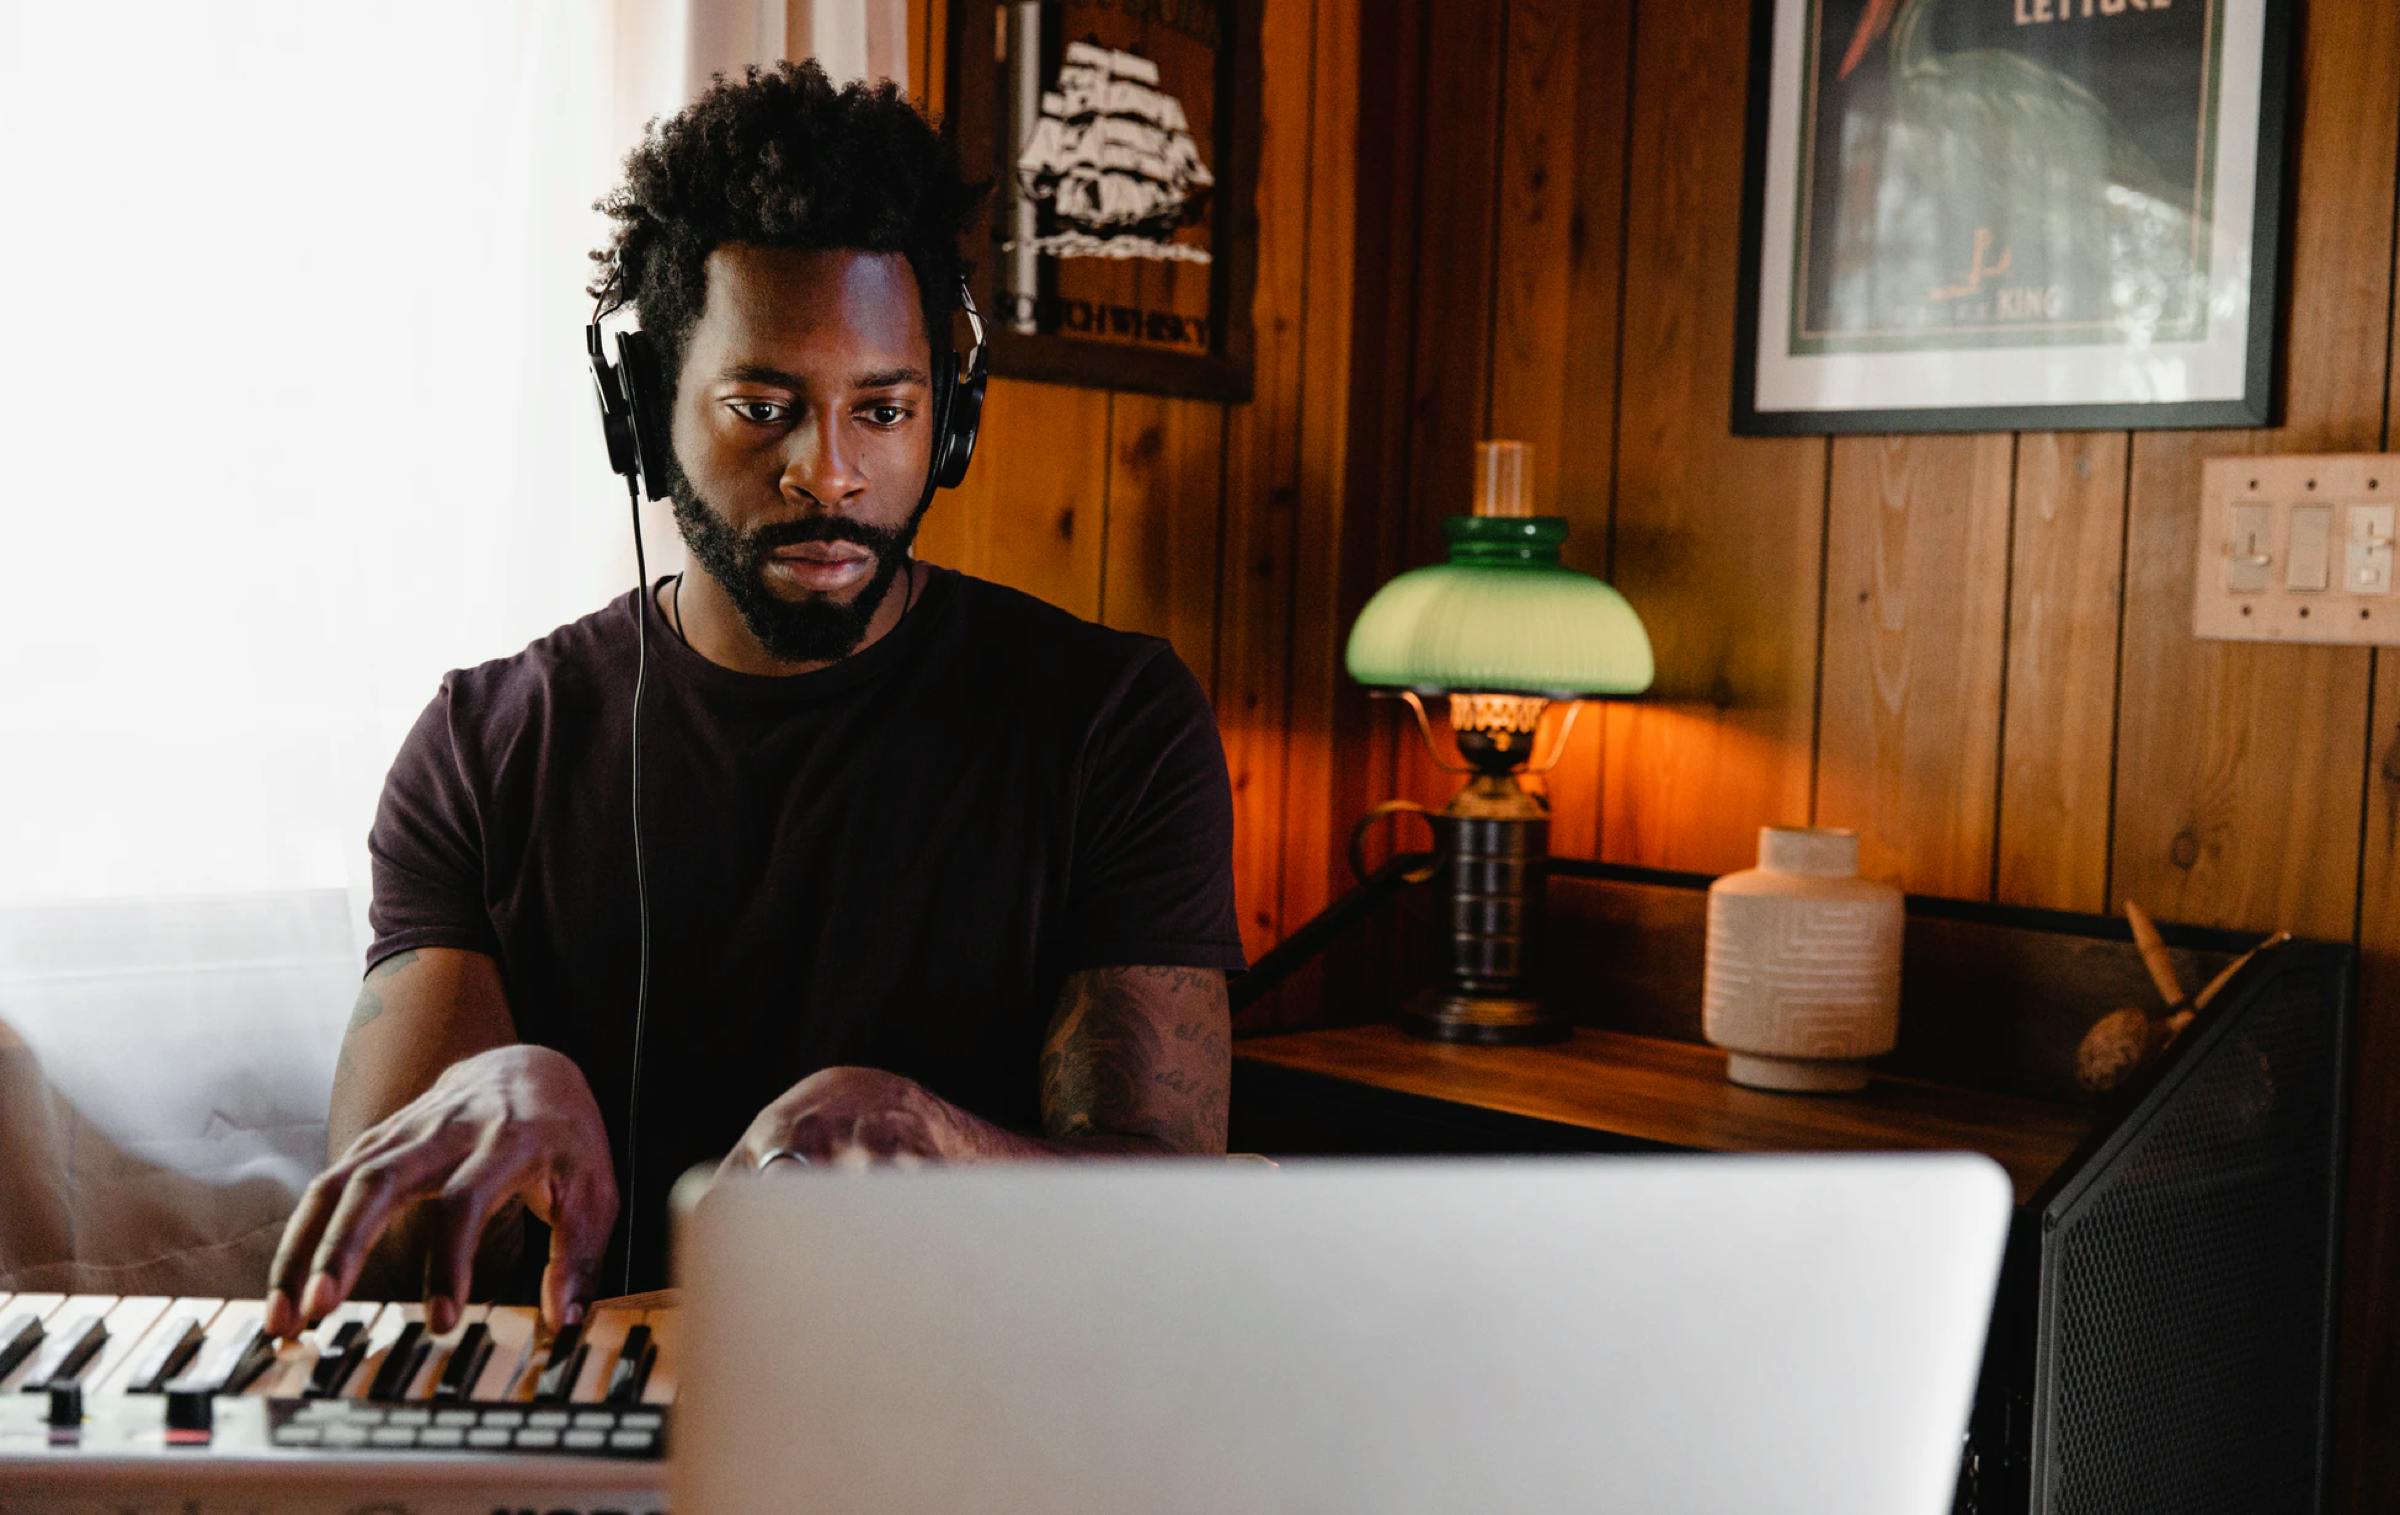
<point>781,1154</point>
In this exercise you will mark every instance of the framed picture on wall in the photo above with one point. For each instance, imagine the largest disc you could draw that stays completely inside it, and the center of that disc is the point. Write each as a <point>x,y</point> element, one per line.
<point>1121,141</point>
<point>1985,215</point>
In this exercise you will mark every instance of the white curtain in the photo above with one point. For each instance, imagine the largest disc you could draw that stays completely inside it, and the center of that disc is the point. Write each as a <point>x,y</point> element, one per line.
<point>295,418</point>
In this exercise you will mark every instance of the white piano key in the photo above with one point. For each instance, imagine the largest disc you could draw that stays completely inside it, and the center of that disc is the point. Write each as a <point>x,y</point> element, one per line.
<point>660,1390</point>
<point>510,1371</point>
<point>603,1335</point>
<point>389,1324</point>
<point>59,1313</point>
<point>437,1354</point>
<point>299,1356</point>
<point>128,1326</point>
<point>230,1332</point>
<point>141,1358</point>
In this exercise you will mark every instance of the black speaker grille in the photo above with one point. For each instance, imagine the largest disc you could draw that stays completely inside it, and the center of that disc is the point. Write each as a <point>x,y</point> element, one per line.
<point>2187,1342</point>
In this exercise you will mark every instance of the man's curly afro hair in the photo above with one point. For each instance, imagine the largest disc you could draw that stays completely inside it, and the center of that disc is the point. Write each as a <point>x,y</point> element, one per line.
<point>781,158</point>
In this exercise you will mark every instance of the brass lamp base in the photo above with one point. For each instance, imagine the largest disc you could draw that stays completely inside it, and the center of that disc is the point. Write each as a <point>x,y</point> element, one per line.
<point>1447,1015</point>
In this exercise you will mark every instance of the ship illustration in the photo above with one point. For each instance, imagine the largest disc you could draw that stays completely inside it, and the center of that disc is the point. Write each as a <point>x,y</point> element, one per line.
<point>1113,157</point>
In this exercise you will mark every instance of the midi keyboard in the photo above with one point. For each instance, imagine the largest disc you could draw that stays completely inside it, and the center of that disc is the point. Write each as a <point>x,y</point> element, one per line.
<point>111,1405</point>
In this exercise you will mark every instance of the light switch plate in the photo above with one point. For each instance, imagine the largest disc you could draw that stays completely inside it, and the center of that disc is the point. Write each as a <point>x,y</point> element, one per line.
<point>2320,571</point>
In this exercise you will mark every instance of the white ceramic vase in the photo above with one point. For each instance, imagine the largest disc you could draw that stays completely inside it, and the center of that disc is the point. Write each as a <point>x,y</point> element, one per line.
<point>1802,984</point>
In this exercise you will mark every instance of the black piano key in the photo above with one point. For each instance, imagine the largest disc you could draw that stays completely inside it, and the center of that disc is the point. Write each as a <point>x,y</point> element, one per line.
<point>566,1362</point>
<point>169,1358</point>
<point>19,1335</point>
<point>258,1355</point>
<point>338,1361</point>
<point>78,1357</point>
<point>466,1362</point>
<point>400,1364</point>
<point>633,1368</point>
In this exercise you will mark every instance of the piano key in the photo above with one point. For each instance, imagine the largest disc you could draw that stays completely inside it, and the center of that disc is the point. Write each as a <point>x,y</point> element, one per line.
<point>513,1367</point>
<point>66,1351</point>
<point>465,1364</point>
<point>558,1371</point>
<point>129,1325</point>
<point>63,1331</point>
<point>233,1336</point>
<point>166,1350</point>
<point>20,1337</point>
<point>434,1360</point>
<point>633,1364</point>
<point>604,1334</point>
<point>400,1362</point>
<point>390,1322</point>
<point>314,1363</point>
<point>664,1330</point>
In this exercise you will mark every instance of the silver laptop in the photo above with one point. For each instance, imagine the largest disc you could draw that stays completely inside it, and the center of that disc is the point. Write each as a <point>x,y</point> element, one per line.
<point>1642,1334</point>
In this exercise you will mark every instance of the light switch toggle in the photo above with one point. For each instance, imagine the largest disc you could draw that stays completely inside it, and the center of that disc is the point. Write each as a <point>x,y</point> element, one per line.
<point>2246,557</point>
<point>2308,564</point>
<point>2367,554</point>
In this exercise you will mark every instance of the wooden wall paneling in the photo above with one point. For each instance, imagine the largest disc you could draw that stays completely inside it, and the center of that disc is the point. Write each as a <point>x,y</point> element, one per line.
<point>1165,493</point>
<point>1031,509</point>
<point>1717,538</point>
<point>2238,763</point>
<point>1916,607</point>
<point>1536,267</point>
<point>1318,804</point>
<point>1262,487</point>
<point>2367,1444</point>
<point>1450,368</point>
<point>2058,731</point>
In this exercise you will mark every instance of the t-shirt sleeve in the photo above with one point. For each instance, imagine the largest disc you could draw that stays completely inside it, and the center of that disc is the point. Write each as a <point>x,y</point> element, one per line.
<point>1153,870</point>
<point>426,845</point>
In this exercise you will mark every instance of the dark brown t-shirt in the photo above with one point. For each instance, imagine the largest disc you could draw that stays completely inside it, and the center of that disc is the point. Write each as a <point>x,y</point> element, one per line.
<point>893,861</point>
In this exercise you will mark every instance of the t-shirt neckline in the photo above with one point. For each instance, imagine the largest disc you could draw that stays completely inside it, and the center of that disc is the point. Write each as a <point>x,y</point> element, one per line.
<point>687,664</point>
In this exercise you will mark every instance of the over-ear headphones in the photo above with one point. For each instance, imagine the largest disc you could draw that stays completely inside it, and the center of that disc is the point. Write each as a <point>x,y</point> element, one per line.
<point>631,388</point>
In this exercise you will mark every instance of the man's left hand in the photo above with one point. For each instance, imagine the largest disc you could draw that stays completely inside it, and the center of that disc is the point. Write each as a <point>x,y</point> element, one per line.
<point>856,1116</point>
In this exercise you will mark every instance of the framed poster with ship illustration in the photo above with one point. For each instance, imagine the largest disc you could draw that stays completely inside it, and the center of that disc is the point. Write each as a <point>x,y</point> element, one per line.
<point>1121,141</point>
<point>1990,215</point>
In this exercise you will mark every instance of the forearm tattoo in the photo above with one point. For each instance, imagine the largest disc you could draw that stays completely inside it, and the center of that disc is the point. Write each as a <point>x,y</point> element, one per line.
<point>1139,1053</point>
<point>369,1006</point>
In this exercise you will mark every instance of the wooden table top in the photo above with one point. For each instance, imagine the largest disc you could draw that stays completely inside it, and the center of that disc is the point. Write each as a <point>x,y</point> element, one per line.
<point>1676,1094</point>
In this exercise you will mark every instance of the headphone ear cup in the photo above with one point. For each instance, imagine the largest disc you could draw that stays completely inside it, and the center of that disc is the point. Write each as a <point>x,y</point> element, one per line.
<point>961,420</point>
<point>644,382</point>
<point>616,416</point>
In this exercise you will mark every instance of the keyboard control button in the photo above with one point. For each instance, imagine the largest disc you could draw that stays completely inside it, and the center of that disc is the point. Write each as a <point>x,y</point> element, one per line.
<point>454,1418</point>
<point>365,1415</point>
<point>345,1435</point>
<point>411,1418</point>
<point>394,1436</point>
<point>633,1441</point>
<point>441,1436</point>
<point>553,1419</point>
<point>533,1438</point>
<point>639,1419</point>
<point>487,1438</point>
<point>299,1436</point>
<point>585,1441</point>
<point>504,1417</point>
<point>600,1418</point>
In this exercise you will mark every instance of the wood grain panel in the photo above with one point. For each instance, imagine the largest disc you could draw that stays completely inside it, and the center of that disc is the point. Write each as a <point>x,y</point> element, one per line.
<point>1029,514</point>
<point>1451,365</point>
<point>2238,764</point>
<point>1557,305</point>
<point>1717,538</point>
<point>1318,803</point>
<point>2058,745</point>
<point>1165,489</point>
<point>1916,606</point>
<point>1262,488</point>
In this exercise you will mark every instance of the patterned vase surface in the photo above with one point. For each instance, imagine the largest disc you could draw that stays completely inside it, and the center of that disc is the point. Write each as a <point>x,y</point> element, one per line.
<point>1803,975</point>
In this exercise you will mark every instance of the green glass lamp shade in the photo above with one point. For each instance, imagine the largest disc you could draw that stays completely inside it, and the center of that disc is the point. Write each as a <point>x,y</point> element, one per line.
<point>1501,617</point>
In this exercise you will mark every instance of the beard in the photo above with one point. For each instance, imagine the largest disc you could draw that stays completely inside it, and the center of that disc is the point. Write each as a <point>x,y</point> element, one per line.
<point>818,629</point>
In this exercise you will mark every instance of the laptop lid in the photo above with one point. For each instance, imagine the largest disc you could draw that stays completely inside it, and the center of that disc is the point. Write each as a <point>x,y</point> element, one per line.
<point>1652,1334</point>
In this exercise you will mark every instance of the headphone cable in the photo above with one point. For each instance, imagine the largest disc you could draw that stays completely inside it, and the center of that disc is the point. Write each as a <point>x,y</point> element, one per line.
<point>641,883</point>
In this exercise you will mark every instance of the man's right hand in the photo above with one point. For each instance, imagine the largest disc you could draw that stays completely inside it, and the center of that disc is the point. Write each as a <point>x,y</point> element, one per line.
<point>516,1122</point>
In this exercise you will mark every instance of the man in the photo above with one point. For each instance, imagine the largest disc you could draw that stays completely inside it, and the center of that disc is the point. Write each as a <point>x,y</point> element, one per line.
<point>935,871</point>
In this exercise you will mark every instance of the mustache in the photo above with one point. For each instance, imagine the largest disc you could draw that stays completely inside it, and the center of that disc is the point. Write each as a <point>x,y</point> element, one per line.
<point>778,534</point>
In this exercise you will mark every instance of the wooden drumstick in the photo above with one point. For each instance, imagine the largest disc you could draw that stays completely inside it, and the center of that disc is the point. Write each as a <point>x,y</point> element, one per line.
<point>2123,1040</point>
<point>2154,955</point>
